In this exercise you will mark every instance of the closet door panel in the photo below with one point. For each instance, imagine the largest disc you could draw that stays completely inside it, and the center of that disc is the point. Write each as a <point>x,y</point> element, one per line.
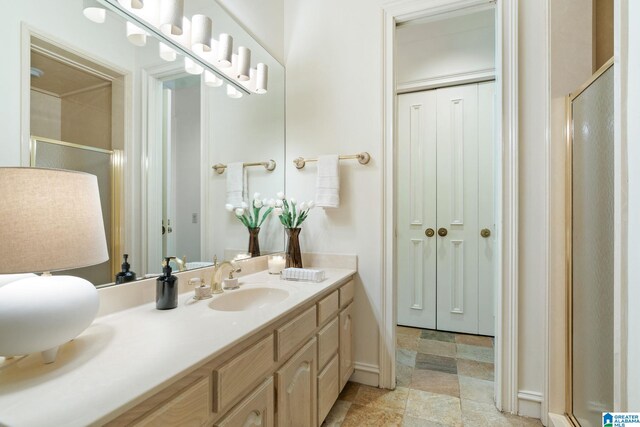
<point>457,209</point>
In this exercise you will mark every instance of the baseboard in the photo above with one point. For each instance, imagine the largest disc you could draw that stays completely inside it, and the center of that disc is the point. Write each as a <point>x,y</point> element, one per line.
<point>530,404</point>
<point>366,374</point>
<point>558,420</point>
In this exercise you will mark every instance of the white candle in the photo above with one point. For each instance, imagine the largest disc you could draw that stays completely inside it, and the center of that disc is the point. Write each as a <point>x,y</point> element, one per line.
<point>276,264</point>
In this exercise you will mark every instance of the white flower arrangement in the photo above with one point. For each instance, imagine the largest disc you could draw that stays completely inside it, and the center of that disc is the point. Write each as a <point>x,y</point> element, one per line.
<point>290,213</point>
<point>251,218</point>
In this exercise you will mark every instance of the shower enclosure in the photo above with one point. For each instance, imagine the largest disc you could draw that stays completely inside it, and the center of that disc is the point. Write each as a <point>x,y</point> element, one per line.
<point>106,165</point>
<point>590,252</point>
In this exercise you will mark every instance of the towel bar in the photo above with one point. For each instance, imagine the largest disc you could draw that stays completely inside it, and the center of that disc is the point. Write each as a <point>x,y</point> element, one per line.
<point>363,158</point>
<point>270,166</point>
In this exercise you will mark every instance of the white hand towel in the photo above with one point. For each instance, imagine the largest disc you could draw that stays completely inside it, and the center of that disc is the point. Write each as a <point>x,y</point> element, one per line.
<point>328,182</point>
<point>236,184</point>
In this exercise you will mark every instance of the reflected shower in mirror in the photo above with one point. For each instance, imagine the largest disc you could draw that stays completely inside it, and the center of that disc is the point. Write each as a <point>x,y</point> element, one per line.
<point>168,128</point>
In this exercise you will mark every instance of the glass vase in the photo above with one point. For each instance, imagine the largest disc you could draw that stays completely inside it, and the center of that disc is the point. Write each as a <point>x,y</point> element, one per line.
<point>294,257</point>
<point>254,243</point>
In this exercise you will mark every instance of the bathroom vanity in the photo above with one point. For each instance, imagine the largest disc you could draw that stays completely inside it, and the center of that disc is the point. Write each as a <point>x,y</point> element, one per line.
<point>271,353</point>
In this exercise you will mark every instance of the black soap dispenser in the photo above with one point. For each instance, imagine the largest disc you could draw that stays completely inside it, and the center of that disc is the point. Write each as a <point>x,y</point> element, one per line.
<point>166,288</point>
<point>125,275</point>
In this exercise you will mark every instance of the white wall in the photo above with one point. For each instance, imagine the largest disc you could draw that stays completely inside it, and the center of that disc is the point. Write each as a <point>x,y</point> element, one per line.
<point>264,20</point>
<point>334,105</point>
<point>454,47</point>
<point>254,125</point>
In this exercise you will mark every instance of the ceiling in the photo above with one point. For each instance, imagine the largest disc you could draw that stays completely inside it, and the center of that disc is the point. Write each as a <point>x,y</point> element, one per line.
<point>60,78</point>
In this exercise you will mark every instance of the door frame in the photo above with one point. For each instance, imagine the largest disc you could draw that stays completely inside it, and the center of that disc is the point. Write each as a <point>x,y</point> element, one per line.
<point>506,341</point>
<point>151,120</point>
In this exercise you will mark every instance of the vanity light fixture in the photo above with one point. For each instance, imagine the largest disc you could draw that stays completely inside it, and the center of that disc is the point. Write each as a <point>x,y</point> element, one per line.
<point>52,221</point>
<point>211,79</point>
<point>201,33</point>
<point>167,53</point>
<point>193,39</point>
<point>94,11</point>
<point>244,63</point>
<point>171,17</point>
<point>191,67</point>
<point>232,92</point>
<point>225,50</point>
<point>136,35</point>
<point>150,13</point>
<point>262,75</point>
<point>133,4</point>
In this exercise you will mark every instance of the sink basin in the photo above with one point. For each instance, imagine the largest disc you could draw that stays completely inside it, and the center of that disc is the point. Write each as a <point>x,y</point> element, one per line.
<point>248,299</point>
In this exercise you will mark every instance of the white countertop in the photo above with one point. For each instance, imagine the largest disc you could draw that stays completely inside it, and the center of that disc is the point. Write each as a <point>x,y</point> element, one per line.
<point>125,357</point>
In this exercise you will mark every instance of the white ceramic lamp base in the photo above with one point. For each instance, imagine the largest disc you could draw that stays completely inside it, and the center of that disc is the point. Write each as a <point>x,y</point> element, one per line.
<point>38,314</point>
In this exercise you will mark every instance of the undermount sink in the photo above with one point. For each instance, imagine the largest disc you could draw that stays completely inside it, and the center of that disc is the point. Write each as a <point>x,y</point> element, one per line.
<point>248,299</point>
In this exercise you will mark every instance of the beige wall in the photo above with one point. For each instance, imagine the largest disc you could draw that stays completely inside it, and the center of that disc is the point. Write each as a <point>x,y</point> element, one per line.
<point>602,32</point>
<point>86,118</point>
<point>46,113</point>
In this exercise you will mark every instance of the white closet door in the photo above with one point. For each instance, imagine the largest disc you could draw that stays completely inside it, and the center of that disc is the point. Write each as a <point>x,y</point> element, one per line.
<point>416,169</point>
<point>457,209</point>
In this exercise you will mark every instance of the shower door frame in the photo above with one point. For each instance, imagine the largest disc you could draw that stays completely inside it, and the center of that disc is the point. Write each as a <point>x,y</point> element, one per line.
<point>569,236</point>
<point>116,191</point>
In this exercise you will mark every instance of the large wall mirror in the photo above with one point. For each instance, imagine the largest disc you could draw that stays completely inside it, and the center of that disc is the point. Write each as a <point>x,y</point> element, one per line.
<point>152,130</point>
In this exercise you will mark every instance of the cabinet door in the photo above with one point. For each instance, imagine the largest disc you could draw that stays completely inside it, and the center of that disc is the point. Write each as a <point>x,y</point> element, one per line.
<point>347,364</point>
<point>328,388</point>
<point>296,384</point>
<point>256,410</point>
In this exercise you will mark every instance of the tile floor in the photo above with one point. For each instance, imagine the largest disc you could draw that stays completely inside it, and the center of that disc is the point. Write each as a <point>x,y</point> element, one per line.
<point>443,379</point>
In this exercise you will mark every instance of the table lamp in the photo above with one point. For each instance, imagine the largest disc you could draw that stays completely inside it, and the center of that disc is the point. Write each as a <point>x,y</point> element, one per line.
<point>50,220</point>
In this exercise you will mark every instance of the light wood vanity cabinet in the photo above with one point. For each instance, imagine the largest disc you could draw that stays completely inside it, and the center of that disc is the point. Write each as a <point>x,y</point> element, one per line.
<point>296,384</point>
<point>347,364</point>
<point>256,410</point>
<point>289,373</point>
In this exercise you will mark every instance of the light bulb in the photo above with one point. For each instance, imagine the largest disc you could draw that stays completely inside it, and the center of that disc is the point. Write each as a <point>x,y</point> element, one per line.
<point>211,79</point>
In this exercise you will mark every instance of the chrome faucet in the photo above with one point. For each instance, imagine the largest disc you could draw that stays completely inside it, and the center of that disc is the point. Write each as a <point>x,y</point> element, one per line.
<point>216,277</point>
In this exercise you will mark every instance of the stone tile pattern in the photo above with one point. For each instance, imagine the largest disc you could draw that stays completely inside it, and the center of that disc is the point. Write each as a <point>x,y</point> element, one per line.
<point>443,379</point>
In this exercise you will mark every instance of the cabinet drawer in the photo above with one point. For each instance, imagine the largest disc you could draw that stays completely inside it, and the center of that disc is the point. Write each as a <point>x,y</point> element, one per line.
<point>328,388</point>
<point>327,307</point>
<point>328,339</point>
<point>232,379</point>
<point>291,335</point>
<point>346,293</point>
<point>255,410</point>
<point>189,408</point>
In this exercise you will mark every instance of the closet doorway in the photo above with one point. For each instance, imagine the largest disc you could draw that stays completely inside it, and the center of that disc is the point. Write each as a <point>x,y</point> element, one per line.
<point>445,171</point>
<point>446,225</point>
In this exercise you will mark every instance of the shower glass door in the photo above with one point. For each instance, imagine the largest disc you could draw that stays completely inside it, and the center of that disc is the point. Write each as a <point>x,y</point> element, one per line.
<point>590,249</point>
<point>49,153</point>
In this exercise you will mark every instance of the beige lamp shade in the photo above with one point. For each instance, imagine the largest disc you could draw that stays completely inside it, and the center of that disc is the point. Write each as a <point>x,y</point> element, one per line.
<point>51,220</point>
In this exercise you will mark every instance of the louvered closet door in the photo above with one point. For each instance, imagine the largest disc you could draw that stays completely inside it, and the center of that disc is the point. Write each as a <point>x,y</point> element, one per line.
<point>416,174</point>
